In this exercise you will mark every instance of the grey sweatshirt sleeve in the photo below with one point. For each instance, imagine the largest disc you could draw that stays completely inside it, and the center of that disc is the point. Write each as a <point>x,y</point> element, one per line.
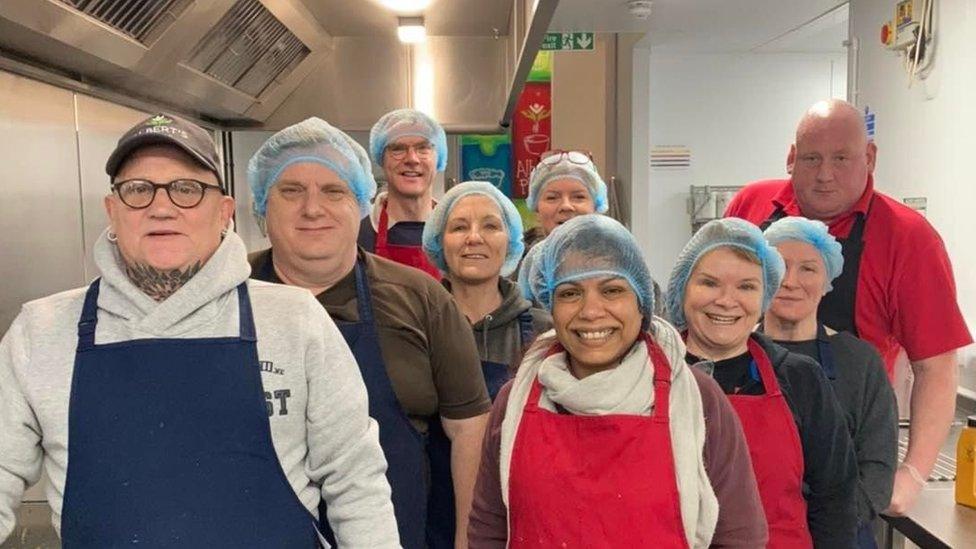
<point>344,452</point>
<point>20,434</point>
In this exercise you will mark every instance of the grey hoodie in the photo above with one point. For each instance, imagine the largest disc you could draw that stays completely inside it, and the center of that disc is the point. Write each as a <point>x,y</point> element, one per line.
<point>498,335</point>
<point>326,443</point>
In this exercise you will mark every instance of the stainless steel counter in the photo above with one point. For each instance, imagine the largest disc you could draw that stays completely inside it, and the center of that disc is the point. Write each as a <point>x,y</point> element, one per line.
<point>937,521</point>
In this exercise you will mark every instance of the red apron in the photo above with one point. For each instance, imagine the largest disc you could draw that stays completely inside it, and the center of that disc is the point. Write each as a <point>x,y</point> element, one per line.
<point>411,256</point>
<point>595,481</point>
<point>777,456</point>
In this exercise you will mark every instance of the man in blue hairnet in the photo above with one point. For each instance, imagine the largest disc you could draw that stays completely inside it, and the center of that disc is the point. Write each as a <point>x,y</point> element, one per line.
<point>896,290</point>
<point>411,147</point>
<point>312,185</point>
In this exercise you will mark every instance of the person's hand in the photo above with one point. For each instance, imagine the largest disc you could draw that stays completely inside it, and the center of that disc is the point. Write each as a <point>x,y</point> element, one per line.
<point>908,485</point>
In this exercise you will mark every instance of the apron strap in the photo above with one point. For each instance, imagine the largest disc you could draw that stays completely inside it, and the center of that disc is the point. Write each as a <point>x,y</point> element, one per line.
<point>825,352</point>
<point>662,379</point>
<point>778,213</point>
<point>245,314</point>
<point>88,320</point>
<point>364,301</point>
<point>89,317</point>
<point>383,228</point>
<point>766,373</point>
<point>526,331</point>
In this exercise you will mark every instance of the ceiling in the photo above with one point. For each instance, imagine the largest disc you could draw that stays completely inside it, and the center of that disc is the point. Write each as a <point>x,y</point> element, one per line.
<point>441,17</point>
<point>710,26</point>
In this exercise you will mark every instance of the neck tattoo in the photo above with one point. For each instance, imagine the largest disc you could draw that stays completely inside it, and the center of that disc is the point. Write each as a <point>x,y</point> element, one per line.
<point>160,283</point>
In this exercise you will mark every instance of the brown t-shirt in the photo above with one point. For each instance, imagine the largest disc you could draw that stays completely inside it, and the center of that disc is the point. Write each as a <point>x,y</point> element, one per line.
<point>741,520</point>
<point>425,340</point>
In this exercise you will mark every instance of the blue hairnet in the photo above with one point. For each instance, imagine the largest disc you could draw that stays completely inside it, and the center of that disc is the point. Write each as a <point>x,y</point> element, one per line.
<point>407,123</point>
<point>814,233</point>
<point>525,270</point>
<point>589,246</point>
<point>433,238</point>
<point>560,167</point>
<point>311,140</point>
<point>721,233</point>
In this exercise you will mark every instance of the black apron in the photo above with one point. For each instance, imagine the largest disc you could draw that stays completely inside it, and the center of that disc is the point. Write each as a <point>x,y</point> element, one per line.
<point>169,445</point>
<point>837,308</point>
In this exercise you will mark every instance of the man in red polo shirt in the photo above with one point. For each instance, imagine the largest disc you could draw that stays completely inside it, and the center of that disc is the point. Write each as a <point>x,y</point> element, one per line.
<point>897,289</point>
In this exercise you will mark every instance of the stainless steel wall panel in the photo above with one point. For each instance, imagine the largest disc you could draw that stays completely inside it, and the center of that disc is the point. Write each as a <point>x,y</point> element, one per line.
<point>467,76</point>
<point>40,216</point>
<point>246,143</point>
<point>363,78</point>
<point>100,124</point>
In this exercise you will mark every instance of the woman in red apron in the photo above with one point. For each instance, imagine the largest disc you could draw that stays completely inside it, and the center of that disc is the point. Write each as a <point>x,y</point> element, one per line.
<point>600,441</point>
<point>801,451</point>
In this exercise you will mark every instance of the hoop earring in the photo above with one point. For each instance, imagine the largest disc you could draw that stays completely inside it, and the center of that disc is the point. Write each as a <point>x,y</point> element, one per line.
<point>112,237</point>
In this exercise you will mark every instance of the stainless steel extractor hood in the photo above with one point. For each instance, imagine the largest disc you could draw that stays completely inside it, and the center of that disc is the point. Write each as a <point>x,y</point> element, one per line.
<point>269,63</point>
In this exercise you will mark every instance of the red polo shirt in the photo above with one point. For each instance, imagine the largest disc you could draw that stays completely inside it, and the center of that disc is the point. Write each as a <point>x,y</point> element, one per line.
<point>906,294</point>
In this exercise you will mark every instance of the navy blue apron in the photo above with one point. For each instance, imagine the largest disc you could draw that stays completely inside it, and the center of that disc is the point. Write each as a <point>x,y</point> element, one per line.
<point>497,374</point>
<point>837,308</point>
<point>441,510</point>
<point>169,445</point>
<point>865,531</point>
<point>404,447</point>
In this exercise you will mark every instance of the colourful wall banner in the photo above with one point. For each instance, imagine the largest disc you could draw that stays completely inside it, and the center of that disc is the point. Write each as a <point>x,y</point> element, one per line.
<point>487,158</point>
<point>531,132</point>
<point>541,70</point>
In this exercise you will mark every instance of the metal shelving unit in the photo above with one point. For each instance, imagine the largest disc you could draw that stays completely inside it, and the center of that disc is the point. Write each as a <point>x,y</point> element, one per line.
<point>708,202</point>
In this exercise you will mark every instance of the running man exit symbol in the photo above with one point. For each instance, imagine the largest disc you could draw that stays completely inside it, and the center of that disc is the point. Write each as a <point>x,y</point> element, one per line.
<point>567,41</point>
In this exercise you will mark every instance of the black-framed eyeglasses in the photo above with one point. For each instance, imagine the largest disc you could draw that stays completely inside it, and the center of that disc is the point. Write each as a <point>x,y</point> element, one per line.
<point>184,193</point>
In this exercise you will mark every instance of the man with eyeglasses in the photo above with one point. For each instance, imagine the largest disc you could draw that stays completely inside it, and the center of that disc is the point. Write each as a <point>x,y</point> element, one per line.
<point>174,402</point>
<point>896,290</point>
<point>411,147</point>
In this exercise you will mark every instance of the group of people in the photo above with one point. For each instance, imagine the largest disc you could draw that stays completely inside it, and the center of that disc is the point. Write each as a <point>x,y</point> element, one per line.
<point>403,371</point>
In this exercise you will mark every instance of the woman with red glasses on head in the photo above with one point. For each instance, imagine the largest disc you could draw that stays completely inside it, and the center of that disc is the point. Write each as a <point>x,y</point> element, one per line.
<point>563,185</point>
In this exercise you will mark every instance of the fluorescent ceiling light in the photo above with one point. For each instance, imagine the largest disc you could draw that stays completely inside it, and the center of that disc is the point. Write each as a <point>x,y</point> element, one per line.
<point>411,30</point>
<point>405,6</point>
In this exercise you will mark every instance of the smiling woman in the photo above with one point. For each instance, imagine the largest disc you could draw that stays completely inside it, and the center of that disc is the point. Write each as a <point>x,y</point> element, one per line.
<point>813,260</point>
<point>722,282</point>
<point>610,383</point>
<point>474,236</point>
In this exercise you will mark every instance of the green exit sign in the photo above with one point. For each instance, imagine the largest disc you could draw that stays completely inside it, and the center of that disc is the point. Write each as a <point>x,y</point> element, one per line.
<point>567,41</point>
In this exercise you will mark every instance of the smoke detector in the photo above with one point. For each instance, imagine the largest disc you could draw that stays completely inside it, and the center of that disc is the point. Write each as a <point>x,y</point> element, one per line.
<point>641,9</point>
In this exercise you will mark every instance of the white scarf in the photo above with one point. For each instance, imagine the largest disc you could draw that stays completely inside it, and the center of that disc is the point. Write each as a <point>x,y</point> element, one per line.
<point>626,389</point>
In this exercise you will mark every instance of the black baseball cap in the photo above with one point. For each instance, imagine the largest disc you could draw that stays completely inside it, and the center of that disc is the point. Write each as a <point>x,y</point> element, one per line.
<point>167,129</point>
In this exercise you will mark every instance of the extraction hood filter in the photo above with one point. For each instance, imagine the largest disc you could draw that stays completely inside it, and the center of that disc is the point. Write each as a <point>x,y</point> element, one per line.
<point>248,49</point>
<point>142,20</point>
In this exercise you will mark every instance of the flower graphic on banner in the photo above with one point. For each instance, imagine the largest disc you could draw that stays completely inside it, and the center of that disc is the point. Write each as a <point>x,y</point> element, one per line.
<point>536,113</point>
<point>536,143</point>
